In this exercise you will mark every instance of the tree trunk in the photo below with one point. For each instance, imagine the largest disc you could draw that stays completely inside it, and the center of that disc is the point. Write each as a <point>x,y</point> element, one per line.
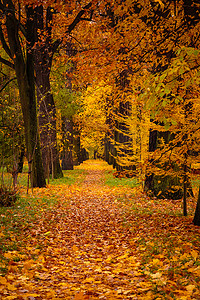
<point>25,78</point>
<point>67,154</point>
<point>21,159</point>
<point>47,115</point>
<point>79,154</point>
<point>43,55</point>
<point>164,186</point>
<point>196,219</point>
<point>123,148</point>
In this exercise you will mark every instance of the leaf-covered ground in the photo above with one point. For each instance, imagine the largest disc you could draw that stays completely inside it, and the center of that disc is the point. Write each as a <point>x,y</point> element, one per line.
<point>98,242</point>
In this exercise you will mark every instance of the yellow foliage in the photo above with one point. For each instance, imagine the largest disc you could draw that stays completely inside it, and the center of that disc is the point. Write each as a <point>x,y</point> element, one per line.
<point>92,118</point>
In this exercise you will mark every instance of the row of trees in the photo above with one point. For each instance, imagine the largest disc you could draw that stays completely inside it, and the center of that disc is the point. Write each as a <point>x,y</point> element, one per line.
<point>149,55</point>
<point>135,65</point>
<point>28,43</point>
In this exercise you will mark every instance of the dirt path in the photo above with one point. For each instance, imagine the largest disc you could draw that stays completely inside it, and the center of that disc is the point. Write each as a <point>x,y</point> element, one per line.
<point>89,252</point>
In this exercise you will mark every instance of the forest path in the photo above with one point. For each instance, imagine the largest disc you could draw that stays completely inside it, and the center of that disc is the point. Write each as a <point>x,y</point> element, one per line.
<point>97,259</point>
<point>89,250</point>
<point>99,242</point>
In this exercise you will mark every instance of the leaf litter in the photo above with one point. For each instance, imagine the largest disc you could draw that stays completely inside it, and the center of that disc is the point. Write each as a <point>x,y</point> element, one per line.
<point>94,244</point>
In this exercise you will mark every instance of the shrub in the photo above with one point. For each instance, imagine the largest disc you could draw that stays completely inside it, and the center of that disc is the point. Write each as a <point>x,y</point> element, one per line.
<point>7,197</point>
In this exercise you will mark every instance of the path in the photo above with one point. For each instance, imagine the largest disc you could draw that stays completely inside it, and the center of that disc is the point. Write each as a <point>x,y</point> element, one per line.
<point>91,246</point>
<point>95,258</point>
<point>88,252</point>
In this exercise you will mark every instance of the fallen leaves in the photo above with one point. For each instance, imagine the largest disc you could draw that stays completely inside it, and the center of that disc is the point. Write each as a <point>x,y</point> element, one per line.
<point>92,245</point>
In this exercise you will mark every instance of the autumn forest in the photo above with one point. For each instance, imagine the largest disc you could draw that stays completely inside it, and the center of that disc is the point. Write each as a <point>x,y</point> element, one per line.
<point>99,149</point>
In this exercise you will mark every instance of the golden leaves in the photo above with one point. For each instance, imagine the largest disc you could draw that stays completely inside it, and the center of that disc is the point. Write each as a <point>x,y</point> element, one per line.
<point>80,296</point>
<point>90,245</point>
<point>3,280</point>
<point>161,3</point>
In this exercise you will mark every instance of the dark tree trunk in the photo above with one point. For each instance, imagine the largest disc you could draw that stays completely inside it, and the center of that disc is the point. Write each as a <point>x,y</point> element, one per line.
<point>164,186</point>
<point>109,151</point>
<point>67,153</point>
<point>123,148</point>
<point>148,184</point>
<point>47,117</point>
<point>21,160</point>
<point>84,155</point>
<point>25,78</point>
<point>79,153</point>
<point>196,219</point>
<point>43,55</point>
<point>77,149</point>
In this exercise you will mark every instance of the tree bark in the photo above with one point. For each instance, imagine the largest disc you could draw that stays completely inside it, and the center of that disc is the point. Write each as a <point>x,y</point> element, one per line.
<point>196,219</point>
<point>47,116</point>
<point>162,186</point>
<point>67,153</point>
<point>21,159</point>
<point>43,55</point>
<point>25,78</point>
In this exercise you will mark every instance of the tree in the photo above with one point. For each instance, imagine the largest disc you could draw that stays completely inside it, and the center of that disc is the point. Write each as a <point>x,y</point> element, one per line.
<point>11,126</point>
<point>19,56</point>
<point>67,103</point>
<point>46,19</point>
<point>175,101</point>
<point>92,118</point>
<point>196,219</point>
<point>138,37</point>
<point>43,51</point>
<point>36,33</point>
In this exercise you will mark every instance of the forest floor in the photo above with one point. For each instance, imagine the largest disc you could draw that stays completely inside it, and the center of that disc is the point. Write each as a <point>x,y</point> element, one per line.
<point>94,241</point>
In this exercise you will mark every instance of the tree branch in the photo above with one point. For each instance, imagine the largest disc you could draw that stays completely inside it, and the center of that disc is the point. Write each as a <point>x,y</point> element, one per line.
<point>6,62</point>
<point>3,87</point>
<point>4,44</point>
<point>78,18</point>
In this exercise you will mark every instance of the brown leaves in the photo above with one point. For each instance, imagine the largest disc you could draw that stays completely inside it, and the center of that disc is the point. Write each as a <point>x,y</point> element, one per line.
<point>89,245</point>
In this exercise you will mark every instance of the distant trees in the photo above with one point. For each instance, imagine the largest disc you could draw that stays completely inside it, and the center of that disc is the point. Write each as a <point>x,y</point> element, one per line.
<point>92,118</point>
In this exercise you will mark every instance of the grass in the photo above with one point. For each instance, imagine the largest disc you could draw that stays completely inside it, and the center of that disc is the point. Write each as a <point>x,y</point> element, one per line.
<point>111,181</point>
<point>70,177</point>
<point>195,183</point>
<point>29,207</point>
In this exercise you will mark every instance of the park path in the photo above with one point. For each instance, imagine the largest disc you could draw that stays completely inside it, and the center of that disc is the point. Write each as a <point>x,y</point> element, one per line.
<point>90,253</point>
<point>99,242</point>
